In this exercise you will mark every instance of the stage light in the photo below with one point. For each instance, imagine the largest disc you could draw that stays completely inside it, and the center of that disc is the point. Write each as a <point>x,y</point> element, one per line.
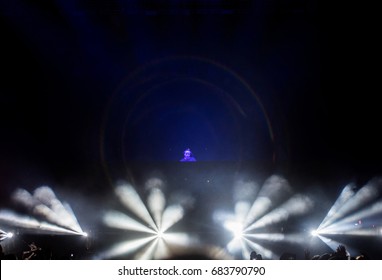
<point>235,227</point>
<point>125,248</point>
<point>273,204</point>
<point>5,235</point>
<point>160,234</point>
<point>152,247</point>
<point>132,201</point>
<point>350,201</point>
<point>48,215</point>
<point>296,205</point>
<point>351,215</point>
<point>171,215</point>
<point>314,233</point>
<point>156,203</point>
<point>119,220</point>
<point>292,238</point>
<point>30,224</point>
<point>274,190</point>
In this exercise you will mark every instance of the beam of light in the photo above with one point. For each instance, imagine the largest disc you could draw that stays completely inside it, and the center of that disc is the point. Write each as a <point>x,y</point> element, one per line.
<point>120,220</point>
<point>242,209</point>
<point>155,247</point>
<point>333,245</point>
<point>342,220</point>
<point>44,204</point>
<point>24,198</point>
<point>245,246</point>
<point>330,242</point>
<point>330,238</point>
<point>259,208</point>
<point>154,183</point>
<point>245,190</point>
<point>296,205</point>
<point>265,252</point>
<point>344,216</point>
<point>156,203</point>
<point>171,215</point>
<point>166,217</point>
<point>357,232</point>
<point>235,227</point>
<point>72,221</point>
<point>162,250</point>
<point>345,195</point>
<point>179,239</point>
<point>347,224</point>
<point>148,252</point>
<point>314,232</point>
<point>277,237</point>
<point>235,244</point>
<point>365,195</point>
<point>274,189</point>
<point>5,235</point>
<point>126,247</point>
<point>160,234</point>
<point>59,215</point>
<point>272,205</point>
<point>29,223</point>
<point>132,201</point>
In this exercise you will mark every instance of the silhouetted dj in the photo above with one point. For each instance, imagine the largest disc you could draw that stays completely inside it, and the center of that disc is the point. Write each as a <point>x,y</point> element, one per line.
<point>187,156</point>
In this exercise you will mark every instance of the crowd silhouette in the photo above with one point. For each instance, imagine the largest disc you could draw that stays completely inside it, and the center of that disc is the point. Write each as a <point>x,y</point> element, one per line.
<point>34,252</point>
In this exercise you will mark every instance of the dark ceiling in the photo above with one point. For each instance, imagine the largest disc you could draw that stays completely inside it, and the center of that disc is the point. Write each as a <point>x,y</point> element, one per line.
<point>89,84</point>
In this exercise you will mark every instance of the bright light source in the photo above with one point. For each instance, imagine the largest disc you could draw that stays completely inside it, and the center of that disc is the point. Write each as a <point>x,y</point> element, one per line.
<point>274,190</point>
<point>133,202</point>
<point>350,215</point>
<point>5,235</point>
<point>292,238</point>
<point>156,203</point>
<point>119,220</point>
<point>235,227</point>
<point>158,244</point>
<point>160,234</point>
<point>273,204</point>
<point>314,233</point>
<point>296,205</point>
<point>47,214</point>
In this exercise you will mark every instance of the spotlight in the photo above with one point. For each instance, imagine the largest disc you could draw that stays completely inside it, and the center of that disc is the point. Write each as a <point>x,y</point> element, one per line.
<point>47,214</point>
<point>5,235</point>
<point>160,234</point>
<point>350,215</point>
<point>273,204</point>
<point>314,232</point>
<point>155,218</point>
<point>235,227</point>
